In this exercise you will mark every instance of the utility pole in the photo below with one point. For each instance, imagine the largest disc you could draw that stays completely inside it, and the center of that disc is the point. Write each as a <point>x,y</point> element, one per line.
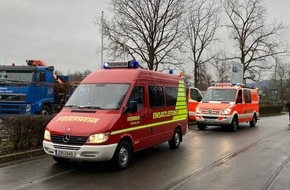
<point>102,41</point>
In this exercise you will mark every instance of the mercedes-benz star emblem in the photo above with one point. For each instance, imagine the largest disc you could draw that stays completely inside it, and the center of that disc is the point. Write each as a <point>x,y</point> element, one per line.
<point>66,138</point>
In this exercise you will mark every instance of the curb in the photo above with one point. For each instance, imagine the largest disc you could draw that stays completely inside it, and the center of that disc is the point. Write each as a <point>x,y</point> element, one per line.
<point>21,155</point>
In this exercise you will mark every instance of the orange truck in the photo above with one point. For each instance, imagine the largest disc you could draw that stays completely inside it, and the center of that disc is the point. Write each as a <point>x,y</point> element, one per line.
<point>117,111</point>
<point>228,105</point>
<point>194,96</point>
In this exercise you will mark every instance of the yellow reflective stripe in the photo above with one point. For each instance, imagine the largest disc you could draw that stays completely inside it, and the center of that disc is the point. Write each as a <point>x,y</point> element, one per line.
<point>181,107</point>
<point>145,126</point>
<point>183,111</point>
<point>181,117</point>
<point>181,99</point>
<point>180,103</point>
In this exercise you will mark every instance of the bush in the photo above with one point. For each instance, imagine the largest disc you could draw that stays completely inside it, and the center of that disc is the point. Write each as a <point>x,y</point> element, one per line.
<point>24,132</point>
<point>271,109</point>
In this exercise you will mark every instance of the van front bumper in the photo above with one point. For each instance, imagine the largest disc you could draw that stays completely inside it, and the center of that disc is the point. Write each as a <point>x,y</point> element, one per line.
<point>84,152</point>
<point>214,119</point>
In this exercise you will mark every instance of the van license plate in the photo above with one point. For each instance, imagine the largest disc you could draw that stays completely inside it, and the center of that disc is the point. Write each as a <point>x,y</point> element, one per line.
<point>209,120</point>
<point>64,153</point>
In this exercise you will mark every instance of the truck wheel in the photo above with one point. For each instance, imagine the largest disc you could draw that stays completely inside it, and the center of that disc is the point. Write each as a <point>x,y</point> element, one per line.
<point>234,124</point>
<point>201,126</point>
<point>254,121</point>
<point>45,110</point>
<point>176,139</point>
<point>123,155</point>
<point>60,160</point>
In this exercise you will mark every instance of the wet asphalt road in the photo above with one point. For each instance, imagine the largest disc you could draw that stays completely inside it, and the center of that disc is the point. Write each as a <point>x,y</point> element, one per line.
<point>251,158</point>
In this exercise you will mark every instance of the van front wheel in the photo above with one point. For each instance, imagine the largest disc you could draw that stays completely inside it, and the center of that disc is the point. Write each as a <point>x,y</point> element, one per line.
<point>234,124</point>
<point>176,139</point>
<point>254,121</point>
<point>123,155</point>
<point>201,126</point>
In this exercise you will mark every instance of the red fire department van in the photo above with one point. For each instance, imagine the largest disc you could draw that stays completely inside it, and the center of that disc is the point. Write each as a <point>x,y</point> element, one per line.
<point>228,105</point>
<point>117,111</point>
<point>194,96</point>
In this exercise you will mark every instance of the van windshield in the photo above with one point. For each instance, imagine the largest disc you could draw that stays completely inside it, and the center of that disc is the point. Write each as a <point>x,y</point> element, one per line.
<point>222,95</point>
<point>98,96</point>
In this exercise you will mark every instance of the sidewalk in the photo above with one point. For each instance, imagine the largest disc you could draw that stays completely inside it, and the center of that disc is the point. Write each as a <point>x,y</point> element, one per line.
<point>21,155</point>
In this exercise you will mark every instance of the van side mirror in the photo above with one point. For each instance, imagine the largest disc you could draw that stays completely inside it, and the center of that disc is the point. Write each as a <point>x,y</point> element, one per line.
<point>132,107</point>
<point>199,98</point>
<point>239,100</point>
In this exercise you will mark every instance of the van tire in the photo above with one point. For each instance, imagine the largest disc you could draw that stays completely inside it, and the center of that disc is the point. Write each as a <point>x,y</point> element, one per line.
<point>254,121</point>
<point>61,160</point>
<point>123,155</point>
<point>235,123</point>
<point>176,139</point>
<point>201,126</point>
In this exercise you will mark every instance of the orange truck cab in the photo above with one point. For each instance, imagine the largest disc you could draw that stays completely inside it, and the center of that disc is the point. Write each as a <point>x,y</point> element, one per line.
<point>117,111</point>
<point>194,96</point>
<point>228,105</point>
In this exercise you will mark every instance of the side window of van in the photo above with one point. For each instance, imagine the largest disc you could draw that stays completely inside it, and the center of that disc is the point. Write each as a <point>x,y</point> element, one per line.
<point>138,96</point>
<point>239,97</point>
<point>195,95</point>
<point>156,96</point>
<point>171,95</point>
<point>247,94</point>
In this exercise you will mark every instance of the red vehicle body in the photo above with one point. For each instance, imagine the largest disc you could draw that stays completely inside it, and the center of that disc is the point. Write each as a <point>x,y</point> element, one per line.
<point>228,105</point>
<point>116,112</point>
<point>194,96</point>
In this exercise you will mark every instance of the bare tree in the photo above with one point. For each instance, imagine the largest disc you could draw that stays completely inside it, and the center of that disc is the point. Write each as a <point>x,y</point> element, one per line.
<point>281,79</point>
<point>222,67</point>
<point>206,78</point>
<point>256,41</point>
<point>150,30</point>
<point>201,25</point>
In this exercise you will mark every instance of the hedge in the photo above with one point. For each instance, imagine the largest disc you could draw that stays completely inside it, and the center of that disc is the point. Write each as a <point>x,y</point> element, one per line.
<point>270,109</point>
<point>22,132</point>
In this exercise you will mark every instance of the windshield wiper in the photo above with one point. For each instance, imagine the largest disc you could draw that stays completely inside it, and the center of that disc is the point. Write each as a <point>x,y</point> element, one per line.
<point>3,83</point>
<point>91,107</point>
<point>71,106</point>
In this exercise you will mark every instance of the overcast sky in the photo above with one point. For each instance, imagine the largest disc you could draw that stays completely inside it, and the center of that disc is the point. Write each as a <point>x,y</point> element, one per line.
<point>63,32</point>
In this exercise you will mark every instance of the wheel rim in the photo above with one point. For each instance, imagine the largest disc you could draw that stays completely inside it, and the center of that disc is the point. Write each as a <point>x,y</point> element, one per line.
<point>177,139</point>
<point>44,112</point>
<point>123,155</point>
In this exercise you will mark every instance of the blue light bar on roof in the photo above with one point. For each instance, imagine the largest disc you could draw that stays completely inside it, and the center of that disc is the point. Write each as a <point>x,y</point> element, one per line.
<point>129,64</point>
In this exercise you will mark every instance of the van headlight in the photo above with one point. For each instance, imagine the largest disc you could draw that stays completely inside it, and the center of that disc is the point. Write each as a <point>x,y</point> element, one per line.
<point>47,135</point>
<point>226,111</point>
<point>198,110</point>
<point>98,138</point>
